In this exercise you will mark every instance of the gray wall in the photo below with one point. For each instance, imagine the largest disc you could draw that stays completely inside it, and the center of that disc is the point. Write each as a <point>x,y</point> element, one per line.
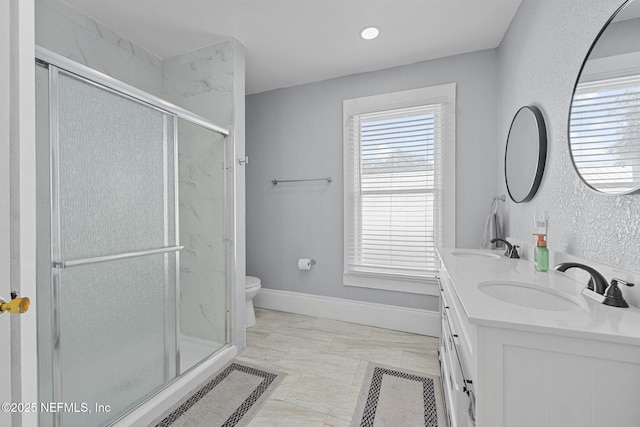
<point>296,132</point>
<point>538,63</point>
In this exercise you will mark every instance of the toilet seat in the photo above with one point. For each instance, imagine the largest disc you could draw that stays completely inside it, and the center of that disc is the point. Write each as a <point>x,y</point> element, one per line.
<point>251,282</point>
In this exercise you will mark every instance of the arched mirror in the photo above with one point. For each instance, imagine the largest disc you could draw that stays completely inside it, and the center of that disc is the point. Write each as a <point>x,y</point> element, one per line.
<point>526,154</point>
<point>604,120</point>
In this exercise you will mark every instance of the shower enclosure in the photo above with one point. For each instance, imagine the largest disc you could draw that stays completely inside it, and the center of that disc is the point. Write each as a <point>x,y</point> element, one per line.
<point>133,254</point>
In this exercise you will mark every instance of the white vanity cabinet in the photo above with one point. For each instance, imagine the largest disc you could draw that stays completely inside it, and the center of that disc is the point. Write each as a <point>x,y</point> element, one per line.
<point>456,358</point>
<point>510,366</point>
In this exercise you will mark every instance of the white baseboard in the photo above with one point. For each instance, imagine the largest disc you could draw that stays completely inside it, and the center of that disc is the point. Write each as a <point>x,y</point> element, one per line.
<point>412,320</point>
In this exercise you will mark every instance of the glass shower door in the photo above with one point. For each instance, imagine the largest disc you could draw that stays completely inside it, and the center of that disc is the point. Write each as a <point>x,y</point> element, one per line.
<point>114,250</point>
<point>203,224</point>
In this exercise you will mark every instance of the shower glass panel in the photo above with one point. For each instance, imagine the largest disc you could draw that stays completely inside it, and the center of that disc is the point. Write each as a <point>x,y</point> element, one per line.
<point>203,262</point>
<point>113,194</point>
<point>115,172</point>
<point>112,333</point>
<point>125,182</point>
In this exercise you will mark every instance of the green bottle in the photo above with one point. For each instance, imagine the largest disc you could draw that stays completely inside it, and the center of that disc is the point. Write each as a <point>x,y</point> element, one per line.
<point>541,254</point>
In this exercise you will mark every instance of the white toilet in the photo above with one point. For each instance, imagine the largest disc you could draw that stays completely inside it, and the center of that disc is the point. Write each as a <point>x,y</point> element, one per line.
<point>252,286</point>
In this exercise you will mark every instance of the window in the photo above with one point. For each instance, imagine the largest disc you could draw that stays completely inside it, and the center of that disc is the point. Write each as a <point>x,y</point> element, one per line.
<point>399,177</point>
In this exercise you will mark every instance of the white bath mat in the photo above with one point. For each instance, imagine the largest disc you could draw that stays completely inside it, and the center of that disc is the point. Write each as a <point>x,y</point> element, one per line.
<point>392,397</point>
<point>229,398</point>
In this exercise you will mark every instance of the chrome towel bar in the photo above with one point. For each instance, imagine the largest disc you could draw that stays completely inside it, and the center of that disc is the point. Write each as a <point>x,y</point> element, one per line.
<point>277,181</point>
<point>77,262</point>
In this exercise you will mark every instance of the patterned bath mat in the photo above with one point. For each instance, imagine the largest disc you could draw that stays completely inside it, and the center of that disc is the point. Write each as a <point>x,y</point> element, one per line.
<point>230,398</point>
<point>392,397</point>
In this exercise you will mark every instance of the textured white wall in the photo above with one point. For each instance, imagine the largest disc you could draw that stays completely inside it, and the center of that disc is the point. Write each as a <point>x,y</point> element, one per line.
<point>296,133</point>
<point>538,63</point>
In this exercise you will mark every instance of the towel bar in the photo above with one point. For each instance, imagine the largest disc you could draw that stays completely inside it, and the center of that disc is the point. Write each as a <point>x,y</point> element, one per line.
<point>277,181</point>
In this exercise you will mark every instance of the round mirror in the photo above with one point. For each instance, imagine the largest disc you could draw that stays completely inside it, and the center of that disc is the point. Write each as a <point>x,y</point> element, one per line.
<point>526,154</point>
<point>604,120</point>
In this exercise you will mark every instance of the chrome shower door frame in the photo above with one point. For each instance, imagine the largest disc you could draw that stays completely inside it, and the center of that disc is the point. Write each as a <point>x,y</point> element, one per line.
<point>57,64</point>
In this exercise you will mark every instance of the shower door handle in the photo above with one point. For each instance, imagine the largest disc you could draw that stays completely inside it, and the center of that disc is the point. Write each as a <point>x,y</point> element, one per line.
<point>95,260</point>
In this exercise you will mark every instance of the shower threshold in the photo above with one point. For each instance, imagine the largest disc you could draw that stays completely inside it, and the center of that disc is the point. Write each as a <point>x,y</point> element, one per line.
<point>193,350</point>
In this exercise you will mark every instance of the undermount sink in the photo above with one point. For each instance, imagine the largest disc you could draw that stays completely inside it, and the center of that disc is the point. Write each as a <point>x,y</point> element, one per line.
<point>475,254</point>
<point>530,296</point>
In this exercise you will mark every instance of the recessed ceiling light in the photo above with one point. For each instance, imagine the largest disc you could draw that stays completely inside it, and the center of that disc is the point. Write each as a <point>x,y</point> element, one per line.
<point>370,33</point>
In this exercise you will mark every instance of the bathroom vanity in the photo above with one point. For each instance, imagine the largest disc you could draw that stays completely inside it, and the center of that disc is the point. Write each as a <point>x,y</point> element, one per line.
<point>522,348</point>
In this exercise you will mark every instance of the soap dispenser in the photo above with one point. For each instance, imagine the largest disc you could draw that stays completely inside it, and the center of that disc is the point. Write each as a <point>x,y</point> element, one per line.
<point>541,253</point>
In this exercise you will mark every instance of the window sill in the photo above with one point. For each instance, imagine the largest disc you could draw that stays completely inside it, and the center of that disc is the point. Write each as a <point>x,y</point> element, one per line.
<point>424,287</point>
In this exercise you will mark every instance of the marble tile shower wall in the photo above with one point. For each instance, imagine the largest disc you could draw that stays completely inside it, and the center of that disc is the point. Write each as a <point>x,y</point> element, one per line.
<point>203,260</point>
<point>200,81</point>
<point>78,37</point>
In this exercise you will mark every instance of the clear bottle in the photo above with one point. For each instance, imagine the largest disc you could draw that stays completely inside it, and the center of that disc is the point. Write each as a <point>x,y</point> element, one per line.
<point>541,253</point>
<point>540,221</point>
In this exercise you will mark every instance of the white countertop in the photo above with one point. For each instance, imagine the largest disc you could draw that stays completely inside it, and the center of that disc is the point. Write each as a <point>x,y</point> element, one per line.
<point>590,319</point>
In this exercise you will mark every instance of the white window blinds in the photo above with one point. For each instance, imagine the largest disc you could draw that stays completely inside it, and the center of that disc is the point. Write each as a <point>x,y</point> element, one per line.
<point>394,188</point>
<point>605,127</point>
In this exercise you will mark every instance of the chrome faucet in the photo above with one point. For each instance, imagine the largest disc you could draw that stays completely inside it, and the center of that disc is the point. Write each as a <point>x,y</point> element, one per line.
<point>512,250</point>
<point>597,287</point>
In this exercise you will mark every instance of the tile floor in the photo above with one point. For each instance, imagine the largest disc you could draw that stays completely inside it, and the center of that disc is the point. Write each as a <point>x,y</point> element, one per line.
<point>325,362</point>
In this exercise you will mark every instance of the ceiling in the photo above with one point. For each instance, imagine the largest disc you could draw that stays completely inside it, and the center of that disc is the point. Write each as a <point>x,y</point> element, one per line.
<point>292,42</point>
